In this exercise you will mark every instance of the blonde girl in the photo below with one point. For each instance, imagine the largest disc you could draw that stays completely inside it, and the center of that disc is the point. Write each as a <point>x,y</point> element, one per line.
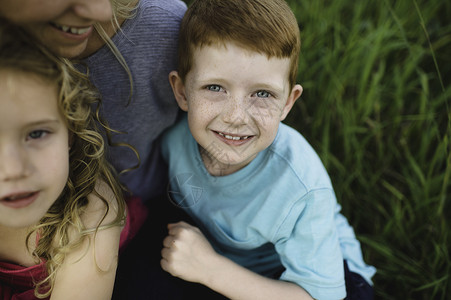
<point>61,206</point>
<point>128,48</point>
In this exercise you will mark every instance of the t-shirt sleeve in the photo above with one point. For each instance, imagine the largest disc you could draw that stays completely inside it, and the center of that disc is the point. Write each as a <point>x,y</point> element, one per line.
<point>307,243</point>
<point>174,138</point>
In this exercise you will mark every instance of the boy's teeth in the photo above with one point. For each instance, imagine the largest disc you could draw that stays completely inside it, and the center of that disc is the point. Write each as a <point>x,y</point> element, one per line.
<point>235,138</point>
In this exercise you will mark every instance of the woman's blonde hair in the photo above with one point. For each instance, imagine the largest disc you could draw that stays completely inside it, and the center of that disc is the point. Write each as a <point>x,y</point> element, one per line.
<point>122,10</point>
<point>87,162</point>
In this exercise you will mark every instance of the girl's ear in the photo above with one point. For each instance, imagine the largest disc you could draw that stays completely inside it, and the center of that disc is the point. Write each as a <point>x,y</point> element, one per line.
<point>178,87</point>
<point>295,93</point>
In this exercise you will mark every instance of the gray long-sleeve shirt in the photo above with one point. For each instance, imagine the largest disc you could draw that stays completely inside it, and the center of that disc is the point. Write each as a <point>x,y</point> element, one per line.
<point>148,42</point>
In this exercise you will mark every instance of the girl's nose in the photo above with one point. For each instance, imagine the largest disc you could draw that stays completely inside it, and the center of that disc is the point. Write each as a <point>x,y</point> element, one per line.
<point>97,10</point>
<point>14,164</point>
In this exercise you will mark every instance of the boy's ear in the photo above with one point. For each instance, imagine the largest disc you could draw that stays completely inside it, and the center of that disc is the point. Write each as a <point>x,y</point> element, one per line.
<point>178,87</point>
<point>295,93</point>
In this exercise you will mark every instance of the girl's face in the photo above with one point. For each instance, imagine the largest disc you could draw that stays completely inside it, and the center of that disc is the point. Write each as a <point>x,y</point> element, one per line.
<point>34,148</point>
<point>64,26</point>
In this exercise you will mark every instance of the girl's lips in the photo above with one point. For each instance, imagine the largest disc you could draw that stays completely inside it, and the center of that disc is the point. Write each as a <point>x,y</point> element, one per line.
<point>19,200</point>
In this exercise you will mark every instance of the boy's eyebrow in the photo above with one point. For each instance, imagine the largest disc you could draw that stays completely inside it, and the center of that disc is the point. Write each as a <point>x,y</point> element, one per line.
<point>275,87</point>
<point>204,79</point>
<point>256,85</point>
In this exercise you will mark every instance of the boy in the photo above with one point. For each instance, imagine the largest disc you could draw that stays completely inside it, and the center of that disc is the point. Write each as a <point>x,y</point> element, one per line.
<point>268,219</point>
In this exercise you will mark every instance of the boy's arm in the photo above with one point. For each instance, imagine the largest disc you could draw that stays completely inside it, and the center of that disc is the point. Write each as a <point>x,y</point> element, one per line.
<point>187,254</point>
<point>88,272</point>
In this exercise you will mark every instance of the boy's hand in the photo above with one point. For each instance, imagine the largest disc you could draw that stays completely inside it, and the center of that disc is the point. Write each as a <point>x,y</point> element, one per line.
<point>187,254</point>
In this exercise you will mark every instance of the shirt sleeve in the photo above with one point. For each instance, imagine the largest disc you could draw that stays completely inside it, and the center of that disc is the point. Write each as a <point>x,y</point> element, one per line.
<point>307,243</point>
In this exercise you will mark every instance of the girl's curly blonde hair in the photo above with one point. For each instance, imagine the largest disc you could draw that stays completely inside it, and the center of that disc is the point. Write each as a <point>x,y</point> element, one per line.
<point>87,162</point>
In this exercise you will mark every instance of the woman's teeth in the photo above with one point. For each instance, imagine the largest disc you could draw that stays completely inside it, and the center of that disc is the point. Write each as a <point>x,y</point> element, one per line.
<point>72,30</point>
<point>235,138</point>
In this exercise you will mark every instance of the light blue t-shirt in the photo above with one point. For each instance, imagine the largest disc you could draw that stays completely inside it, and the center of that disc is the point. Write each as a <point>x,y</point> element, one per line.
<point>277,211</point>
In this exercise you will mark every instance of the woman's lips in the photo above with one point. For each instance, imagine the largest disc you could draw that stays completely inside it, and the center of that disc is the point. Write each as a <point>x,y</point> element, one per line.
<point>19,200</point>
<point>77,33</point>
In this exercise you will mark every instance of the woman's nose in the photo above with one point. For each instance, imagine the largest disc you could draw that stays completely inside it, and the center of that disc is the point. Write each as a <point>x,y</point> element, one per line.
<point>97,10</point>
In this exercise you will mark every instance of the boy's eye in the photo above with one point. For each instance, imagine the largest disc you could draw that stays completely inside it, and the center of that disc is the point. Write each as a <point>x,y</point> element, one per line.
<point>263,94</point>
<point>36,134</point>
<point>214,88</point>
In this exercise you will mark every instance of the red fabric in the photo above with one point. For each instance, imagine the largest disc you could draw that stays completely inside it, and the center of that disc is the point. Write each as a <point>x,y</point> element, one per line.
<point>17,282</point>
<point>136,216</point>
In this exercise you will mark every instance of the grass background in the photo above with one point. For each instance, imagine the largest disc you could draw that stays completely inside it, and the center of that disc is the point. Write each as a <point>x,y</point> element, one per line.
<point>376,107</point>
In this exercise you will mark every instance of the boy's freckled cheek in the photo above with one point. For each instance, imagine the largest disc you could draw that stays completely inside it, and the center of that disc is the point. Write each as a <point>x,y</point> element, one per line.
<point>205,111</point>
<point>205,107</point>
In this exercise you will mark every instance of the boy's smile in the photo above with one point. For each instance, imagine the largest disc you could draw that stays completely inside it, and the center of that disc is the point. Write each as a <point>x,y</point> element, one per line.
<point>235,99</point>
<point>233,139</point>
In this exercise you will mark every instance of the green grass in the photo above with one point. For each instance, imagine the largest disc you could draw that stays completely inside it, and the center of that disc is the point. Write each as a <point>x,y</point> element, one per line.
<point>376,107</point>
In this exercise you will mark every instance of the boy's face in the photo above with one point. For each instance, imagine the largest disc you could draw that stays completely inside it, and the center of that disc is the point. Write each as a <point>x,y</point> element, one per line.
<point>34,149</point>
<point>235,99</point>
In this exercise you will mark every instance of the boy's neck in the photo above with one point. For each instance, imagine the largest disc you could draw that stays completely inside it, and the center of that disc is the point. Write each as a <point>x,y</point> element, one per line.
<point>215,167</point>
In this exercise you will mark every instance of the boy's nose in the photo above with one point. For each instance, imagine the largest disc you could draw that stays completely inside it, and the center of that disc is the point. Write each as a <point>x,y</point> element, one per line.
<point>235,111</point>
<point>97,10</point>
<point>14,164</point>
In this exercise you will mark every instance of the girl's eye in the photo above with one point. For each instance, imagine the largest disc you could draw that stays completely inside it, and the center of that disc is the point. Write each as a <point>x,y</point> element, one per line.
<point>37,134</point>
<point>214,88</point>
<point>263,94</point>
